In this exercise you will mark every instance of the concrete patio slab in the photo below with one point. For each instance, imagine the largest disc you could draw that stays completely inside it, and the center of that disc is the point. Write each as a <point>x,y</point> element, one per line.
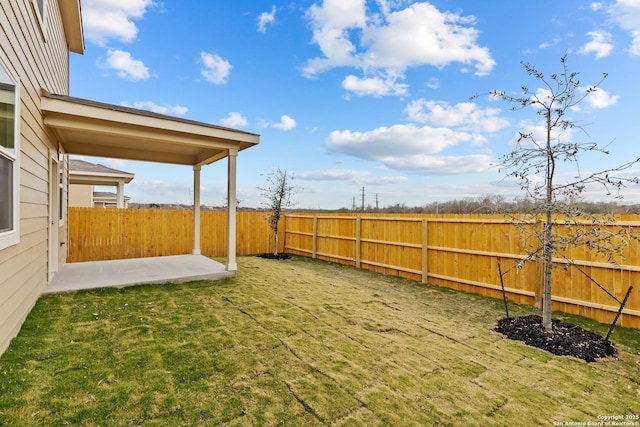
<point>127,272</point>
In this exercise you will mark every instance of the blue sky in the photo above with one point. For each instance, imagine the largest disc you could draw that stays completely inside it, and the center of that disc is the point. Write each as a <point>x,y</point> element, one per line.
<point>349,94</point>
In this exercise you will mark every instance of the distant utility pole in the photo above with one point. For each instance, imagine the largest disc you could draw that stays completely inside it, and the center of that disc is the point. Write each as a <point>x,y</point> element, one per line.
<point>376,201</point>
<point>362,208</point>
<point>353,205</point>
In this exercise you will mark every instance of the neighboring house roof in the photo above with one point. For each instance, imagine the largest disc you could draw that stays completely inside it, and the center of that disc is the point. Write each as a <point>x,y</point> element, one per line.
<point>93,128</point>
<point>83,172</point>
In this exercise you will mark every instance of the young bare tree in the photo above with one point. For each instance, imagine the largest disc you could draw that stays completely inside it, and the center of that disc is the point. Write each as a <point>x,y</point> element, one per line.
<point>535,162</point>
<point>278,193</point>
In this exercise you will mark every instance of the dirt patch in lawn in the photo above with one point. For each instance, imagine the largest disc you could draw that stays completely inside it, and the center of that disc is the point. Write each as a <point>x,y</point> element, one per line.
<point>564,340</point>
<point>280,256</point>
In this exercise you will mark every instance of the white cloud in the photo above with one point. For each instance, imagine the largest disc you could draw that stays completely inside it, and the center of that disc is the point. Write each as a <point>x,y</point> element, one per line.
<point>421,34</point>
<point>265,19</point>
<point>441,165</point>
<point>285,123</point>
<point>125,66</point>
<point>103,20</point>
<point>538,135</point>
<point>465,116</point>
<point>397,140</point>
<point>600,98</point>
<point>375,86</point>
<point>331,23</point>
<point>408,148</point>
<point>600,44</point>
<point>433,83</point>
<point>173,110</point>
<point>542,96</point>
<point>626,14</point>
<point>214,69</point>
<point>234,119</point>
<point>595,6</point>
<point>553,42</point>
<point>355,176</point>
<point>390,43</point>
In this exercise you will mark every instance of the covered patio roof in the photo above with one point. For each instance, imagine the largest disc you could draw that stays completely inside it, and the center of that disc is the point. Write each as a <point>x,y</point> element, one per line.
<point>91,128</point>
<point>97,129</point>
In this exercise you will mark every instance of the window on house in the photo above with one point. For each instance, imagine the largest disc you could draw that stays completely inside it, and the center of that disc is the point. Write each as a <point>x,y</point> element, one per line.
<point>7,114</point>
<point>8,161</point>
<point>40,9</point>
<point>6,190</point>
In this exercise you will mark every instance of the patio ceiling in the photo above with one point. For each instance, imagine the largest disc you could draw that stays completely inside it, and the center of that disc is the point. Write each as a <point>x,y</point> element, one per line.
<point>86,127</point>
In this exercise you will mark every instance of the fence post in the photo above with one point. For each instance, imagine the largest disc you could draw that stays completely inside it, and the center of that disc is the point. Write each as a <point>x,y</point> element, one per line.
<point>358,229</point>
<point>314,243</point>
<point>425,250</point>
<point>284,235</point>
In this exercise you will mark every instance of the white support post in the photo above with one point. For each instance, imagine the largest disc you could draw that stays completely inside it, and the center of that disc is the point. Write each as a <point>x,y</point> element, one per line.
<point>196,210</point>
<point>231,210</point>
<point>120,195</point>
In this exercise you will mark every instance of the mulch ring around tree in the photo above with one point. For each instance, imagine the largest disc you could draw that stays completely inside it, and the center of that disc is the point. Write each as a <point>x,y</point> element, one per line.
<point>564,340</point>
<point>279,256</point>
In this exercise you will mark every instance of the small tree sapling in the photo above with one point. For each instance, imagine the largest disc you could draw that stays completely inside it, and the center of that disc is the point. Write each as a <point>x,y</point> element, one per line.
<point>534,164</point>
<point>278,193</point>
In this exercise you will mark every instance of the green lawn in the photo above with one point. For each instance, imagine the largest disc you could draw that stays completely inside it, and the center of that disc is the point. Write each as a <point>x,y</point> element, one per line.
<point>298,342</point>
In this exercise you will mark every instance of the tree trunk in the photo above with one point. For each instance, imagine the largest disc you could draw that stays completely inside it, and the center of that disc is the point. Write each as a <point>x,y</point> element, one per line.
<point>547,238</point>
<point>275,241</point>
<point>548,266</point>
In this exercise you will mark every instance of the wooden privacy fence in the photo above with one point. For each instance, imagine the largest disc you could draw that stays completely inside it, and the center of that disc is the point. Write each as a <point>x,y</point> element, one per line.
<point>103,234</point>
<point>462,252</point>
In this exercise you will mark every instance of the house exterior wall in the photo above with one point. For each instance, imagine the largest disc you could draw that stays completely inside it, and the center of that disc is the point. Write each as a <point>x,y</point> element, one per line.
<point>39,55</point>
<point>80,196</point>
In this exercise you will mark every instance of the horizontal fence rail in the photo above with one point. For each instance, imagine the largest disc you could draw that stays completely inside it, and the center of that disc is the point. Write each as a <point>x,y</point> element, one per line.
<point>463,251</point>
<point>456,251</point>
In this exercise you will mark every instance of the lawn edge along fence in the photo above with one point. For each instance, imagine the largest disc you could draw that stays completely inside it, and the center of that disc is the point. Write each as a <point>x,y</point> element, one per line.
<point>462,252</point>
<point>455,251</point>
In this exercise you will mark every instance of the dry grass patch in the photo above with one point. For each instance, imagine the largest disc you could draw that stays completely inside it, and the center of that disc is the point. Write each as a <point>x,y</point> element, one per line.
<point>297,342</point>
